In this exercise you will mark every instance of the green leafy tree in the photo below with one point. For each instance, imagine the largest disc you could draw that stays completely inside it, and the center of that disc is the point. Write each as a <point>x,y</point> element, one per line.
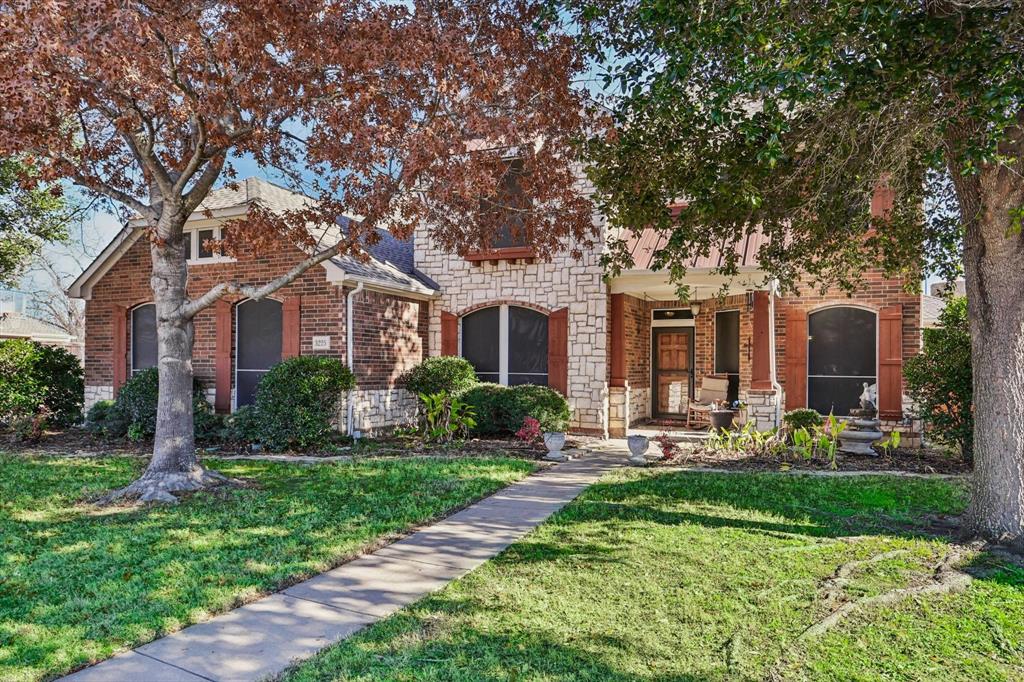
<point>786,118</point>
<point>28,218</point>
<point>939,379</point>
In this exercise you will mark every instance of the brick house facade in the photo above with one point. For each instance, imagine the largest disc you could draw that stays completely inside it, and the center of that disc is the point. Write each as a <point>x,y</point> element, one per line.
<point>521,320</point>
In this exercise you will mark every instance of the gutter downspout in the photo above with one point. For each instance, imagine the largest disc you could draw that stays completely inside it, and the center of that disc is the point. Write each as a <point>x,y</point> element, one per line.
<point>349,359</point>
<point>771,353</point>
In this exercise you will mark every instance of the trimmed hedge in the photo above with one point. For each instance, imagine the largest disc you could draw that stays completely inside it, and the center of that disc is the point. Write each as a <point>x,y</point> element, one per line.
<point>297,400</point>
<point>448,374</point>
<point>39,384</point>
<point>500,410</point>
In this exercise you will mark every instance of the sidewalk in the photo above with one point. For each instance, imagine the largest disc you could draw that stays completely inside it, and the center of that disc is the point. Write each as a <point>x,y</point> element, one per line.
<point>263,638</point>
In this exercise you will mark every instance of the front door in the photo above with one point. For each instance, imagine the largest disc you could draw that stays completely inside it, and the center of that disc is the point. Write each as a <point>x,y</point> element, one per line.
<point>672,370</point>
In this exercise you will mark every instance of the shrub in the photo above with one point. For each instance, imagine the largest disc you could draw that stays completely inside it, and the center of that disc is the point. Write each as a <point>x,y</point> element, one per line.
<point>802,418</point>
<point>502,409</point>
<point>241,425</point>
<point>134,411</point>
<point>104,419</point>
<point>297,400</point>
<point>39,385</point>
<point>939,379</point>
<point>487,401</point>
<point>544,404</point>
<point>446,374</point>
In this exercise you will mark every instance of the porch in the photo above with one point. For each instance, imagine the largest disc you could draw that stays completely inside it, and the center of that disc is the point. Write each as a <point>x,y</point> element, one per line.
<point>662,348</point>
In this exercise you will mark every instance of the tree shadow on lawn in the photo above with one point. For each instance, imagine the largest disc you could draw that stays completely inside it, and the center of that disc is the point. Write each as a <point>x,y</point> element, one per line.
<point>80,584</point>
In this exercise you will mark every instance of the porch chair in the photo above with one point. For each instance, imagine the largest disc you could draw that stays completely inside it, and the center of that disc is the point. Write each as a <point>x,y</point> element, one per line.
<point>711,389</point>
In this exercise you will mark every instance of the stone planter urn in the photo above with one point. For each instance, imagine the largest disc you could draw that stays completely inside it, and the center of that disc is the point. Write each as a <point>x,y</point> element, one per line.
<point>721,419</point>
<point>554,441</point>
<point>637,447</point>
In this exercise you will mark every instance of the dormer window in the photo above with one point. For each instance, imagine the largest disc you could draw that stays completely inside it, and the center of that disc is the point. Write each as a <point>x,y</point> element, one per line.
<point>195,244</point>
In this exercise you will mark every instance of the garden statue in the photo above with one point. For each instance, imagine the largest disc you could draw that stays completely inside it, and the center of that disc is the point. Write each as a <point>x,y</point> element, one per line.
<point>862,429</point>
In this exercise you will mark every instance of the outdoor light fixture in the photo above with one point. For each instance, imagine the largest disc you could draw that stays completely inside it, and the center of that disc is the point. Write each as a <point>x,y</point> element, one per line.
<point>695,308</point>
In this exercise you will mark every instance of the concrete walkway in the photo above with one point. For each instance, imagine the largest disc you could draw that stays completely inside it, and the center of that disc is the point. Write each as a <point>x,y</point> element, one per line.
<point>261,639</point>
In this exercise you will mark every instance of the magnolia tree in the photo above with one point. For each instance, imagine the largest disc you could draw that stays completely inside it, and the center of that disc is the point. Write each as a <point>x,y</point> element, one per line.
<point>786,117</point>
<point>401,113</point>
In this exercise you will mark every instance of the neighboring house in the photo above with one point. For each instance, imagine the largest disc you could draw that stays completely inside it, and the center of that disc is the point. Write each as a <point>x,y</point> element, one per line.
<point>15,325</point>
<point>623,350</point>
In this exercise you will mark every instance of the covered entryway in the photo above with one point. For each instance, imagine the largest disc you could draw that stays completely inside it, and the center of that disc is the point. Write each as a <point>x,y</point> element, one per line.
<point>842,343</point>
<point>672,370</point>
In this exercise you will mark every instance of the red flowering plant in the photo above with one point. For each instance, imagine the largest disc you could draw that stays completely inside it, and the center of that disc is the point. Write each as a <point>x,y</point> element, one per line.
<point>669,448</point>
<point>529,432</point>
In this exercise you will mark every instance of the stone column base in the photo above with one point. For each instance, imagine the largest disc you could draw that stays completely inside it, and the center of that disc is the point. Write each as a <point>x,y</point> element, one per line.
<point>761,409</point>
<point>618,411</point>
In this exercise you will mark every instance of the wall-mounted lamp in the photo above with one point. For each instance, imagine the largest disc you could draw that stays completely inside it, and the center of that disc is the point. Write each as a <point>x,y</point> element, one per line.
<point>695,308</point>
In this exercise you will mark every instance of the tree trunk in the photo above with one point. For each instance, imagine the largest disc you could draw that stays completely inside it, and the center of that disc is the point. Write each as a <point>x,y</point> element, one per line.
<point>994,269</point>
<point>174,466</point>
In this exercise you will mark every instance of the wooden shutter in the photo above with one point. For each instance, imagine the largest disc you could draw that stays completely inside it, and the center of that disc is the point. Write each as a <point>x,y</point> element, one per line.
<point>222,357</point>
<point>290,327</point>
<point>558,351</point>
<point>449,334</point>
<point>796,359</point>
<point>890,362</point>
<point>119,349</point>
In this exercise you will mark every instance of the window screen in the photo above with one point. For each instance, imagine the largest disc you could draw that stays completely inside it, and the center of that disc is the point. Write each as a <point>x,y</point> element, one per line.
<point>144,353</point>
<point>258,345</point>
<point>203,236</point>
<point>527,347</point>
<point>841,358</point>
<point>511,201</point>
<point>480,342</point>
<point>727,350</point>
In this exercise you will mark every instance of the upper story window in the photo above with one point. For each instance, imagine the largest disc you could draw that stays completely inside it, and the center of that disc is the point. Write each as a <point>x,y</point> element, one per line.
<point>196,244</point>
<point>507,209</point>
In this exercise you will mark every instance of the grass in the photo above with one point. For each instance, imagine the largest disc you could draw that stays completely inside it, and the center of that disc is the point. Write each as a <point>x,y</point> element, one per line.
<point>78,584</point>
<point>668,576</point>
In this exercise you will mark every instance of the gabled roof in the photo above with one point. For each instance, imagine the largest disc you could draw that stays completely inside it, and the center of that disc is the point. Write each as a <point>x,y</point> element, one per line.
<point>389,267</point>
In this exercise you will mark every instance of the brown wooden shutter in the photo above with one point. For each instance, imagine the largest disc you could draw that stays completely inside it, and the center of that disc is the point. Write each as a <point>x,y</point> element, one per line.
<point>290,327</point>
<point>890,362</point>
<point>796,359</point>
<point>558,351</point>
<point>222,357</point>
<point>119,349</point>
<point>449,334</point>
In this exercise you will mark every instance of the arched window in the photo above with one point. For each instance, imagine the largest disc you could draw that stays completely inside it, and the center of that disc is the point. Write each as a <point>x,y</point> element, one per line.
<point>507,344</point>
<point>842,355</point>
<point>144,346</point>
<point>257,345</point>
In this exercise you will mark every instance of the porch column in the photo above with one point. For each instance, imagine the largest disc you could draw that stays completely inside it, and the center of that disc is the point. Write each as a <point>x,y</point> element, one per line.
<point>618,385</point>
<point>760,361</point>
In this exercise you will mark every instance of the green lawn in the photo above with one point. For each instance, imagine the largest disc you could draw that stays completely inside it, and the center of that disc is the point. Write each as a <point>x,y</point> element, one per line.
<point>78,584</point>
<point>676,577</point>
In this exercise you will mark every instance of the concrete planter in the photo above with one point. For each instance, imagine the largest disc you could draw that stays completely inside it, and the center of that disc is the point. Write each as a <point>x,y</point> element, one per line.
<point>637,448</point>
<point>554,441</point>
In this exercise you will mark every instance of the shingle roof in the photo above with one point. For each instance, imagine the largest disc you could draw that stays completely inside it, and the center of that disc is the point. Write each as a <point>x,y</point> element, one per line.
<point>16,324</point>
<point>391,260</point>
<point>255,190</point>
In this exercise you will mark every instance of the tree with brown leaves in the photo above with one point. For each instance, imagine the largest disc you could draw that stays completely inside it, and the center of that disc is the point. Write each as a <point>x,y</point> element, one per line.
<point>405,114</point>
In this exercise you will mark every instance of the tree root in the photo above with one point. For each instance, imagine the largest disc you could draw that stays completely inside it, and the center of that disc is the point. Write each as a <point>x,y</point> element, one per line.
<point>944,580</point>
<point>162,486</point>
<point>834,587</point>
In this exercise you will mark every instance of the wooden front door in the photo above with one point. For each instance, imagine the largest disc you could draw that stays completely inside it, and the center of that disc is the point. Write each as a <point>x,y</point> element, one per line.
<point>672,370</point>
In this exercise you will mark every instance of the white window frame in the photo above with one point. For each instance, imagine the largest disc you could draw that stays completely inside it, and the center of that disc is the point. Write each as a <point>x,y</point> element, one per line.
<point>131,346</point>
<point>193,256</point>
<point>503,341</point>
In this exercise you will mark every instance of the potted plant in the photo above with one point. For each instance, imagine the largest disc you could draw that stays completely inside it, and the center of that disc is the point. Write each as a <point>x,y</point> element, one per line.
<point>721,415</point>
<point>638,445</point>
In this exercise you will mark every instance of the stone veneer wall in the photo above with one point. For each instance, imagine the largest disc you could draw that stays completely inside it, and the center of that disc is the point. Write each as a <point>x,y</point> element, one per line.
<point>562,283</point>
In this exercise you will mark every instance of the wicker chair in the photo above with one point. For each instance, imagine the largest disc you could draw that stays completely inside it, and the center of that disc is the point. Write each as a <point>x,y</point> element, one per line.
<point>711,389</point>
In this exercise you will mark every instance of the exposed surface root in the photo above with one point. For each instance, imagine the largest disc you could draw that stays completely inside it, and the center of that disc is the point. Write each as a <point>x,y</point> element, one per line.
<point>944,580</point>
<point>834,587</point>
<point>163,486</point>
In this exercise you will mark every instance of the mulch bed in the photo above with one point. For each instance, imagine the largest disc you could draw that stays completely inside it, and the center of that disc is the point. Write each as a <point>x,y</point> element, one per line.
<point>914,460</point>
